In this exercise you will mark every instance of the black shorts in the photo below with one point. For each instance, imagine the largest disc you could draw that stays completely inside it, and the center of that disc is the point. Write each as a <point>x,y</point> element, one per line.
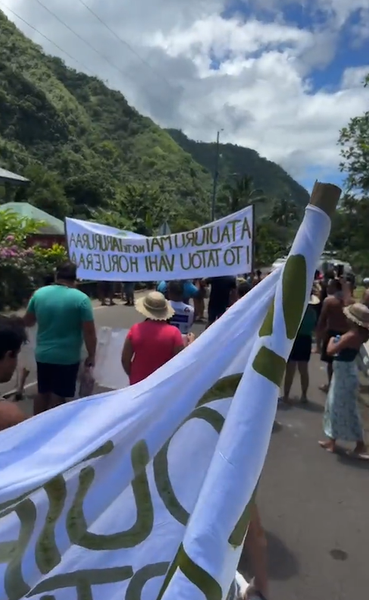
<point>301,349</point>
<point>215,312</point>
<point>324,356</point>
<point>60,380</point>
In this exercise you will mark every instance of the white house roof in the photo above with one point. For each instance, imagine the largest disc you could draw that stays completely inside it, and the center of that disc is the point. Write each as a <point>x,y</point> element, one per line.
<point>10,177</point>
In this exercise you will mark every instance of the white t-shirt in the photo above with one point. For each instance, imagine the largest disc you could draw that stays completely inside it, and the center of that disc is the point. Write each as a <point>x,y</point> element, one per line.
<point>183,317</point>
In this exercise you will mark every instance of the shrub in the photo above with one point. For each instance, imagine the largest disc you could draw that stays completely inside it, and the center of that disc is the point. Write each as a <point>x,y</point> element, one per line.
<point>22,269</point>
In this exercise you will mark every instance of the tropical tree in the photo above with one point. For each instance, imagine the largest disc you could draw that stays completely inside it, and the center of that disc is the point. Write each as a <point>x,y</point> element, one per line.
<point>242,193</point>
<point>350,232</point>
<point>145,207</point>
<point>44,191</point>
<point>271,243</point>
<point>354,140</point>
<point>285,212</point>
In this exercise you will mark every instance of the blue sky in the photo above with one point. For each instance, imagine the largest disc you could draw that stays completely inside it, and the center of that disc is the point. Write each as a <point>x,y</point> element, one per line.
<point>351,51</point>
<point>279,76</point>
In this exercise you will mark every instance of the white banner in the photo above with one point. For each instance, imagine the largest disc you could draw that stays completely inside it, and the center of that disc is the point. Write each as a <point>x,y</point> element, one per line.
<point>113,496</point>
<point>221,248</point>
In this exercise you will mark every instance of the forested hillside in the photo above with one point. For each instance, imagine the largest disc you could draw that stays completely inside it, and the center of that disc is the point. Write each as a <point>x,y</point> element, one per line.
<point>236,161</point>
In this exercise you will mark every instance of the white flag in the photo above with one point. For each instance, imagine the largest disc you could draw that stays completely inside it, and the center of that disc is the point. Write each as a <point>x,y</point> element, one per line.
<point>143,492</point>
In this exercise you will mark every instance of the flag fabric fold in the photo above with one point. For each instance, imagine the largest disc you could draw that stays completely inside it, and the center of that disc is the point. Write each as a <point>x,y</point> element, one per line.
<point>143,492</point>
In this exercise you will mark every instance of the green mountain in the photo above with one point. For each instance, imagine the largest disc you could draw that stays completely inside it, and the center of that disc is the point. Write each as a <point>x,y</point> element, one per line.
<point>89,154</point>
<point>237,161</point>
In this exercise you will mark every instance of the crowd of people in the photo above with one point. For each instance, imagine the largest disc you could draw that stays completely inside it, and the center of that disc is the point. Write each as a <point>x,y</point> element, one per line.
<point>335,325</point>
<point>339,326</point>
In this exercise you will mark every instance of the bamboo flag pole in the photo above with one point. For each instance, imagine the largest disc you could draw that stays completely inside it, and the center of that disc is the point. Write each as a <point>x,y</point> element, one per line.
<point>326,197</point>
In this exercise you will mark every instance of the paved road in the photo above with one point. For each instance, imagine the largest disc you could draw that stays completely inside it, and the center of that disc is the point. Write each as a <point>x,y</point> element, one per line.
<point>314,505</point>
<point>315,509</point>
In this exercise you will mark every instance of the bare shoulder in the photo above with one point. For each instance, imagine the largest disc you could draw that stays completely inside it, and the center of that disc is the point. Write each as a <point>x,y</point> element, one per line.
<point>328,302</point>
<point>10,414</point>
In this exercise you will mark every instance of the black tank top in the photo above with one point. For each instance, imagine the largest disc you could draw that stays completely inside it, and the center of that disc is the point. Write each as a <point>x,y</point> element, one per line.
<point>347,355</point>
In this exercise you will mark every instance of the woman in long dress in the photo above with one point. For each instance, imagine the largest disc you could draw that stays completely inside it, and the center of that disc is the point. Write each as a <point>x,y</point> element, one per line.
<point>341,416</point>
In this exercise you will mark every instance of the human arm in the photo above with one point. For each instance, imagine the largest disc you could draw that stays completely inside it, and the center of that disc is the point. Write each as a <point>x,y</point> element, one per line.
<point>10,415</point>
<point>322,322</point>
<point>256,549</point>
<point>88,330</point>
<point>30,316</point>
<point>127,355</point>
<point>178,343</point>
<point>347,340</point>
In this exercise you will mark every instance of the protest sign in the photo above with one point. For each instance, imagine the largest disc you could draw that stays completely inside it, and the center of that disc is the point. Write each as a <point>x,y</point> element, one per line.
<point>126,508</point>
<point>103,253</point>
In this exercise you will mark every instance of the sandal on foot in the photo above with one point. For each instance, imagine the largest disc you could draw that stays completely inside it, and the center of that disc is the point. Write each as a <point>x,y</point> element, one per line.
<point>328,446</point>
<point>358,455</point>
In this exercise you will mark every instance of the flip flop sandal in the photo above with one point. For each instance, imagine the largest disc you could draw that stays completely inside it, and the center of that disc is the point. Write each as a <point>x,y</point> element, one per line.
<point>324,388</point>
<point>357,455</point>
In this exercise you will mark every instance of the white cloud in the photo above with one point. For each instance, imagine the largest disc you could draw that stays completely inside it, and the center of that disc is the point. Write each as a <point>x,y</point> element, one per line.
<point>354,77</point>
<point>262,93</point>
<point>343,9</point>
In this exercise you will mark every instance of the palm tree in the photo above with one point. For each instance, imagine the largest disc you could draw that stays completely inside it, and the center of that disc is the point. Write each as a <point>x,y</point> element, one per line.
<point>242,193</point>
<point>285,212</point>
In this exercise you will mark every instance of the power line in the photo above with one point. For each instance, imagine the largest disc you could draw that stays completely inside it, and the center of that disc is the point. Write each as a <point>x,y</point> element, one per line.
<point>121,71</point>
<point>45,37</point>
<point>87,43</point>
<point>143,60</point>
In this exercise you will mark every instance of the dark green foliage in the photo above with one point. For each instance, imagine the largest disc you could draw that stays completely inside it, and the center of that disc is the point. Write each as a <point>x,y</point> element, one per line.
<point>354,141</point>
<point>349,236</point>
<point>235,162</point>
<point>351,223</point>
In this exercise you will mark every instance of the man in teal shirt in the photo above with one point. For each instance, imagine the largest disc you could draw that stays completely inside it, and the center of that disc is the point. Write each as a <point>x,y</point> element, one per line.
<point>65,320</point>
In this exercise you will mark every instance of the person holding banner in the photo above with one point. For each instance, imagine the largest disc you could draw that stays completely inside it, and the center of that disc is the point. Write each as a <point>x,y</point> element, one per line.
<point>255,550</point>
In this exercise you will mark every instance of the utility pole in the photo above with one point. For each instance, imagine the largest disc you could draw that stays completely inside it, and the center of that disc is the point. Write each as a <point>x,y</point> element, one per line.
<point>215,177</point>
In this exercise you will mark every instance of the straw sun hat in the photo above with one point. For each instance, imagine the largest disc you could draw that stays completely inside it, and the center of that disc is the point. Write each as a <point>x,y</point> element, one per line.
<point>314,299</point>
<point>358,313</point>
<point>154,306</point>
